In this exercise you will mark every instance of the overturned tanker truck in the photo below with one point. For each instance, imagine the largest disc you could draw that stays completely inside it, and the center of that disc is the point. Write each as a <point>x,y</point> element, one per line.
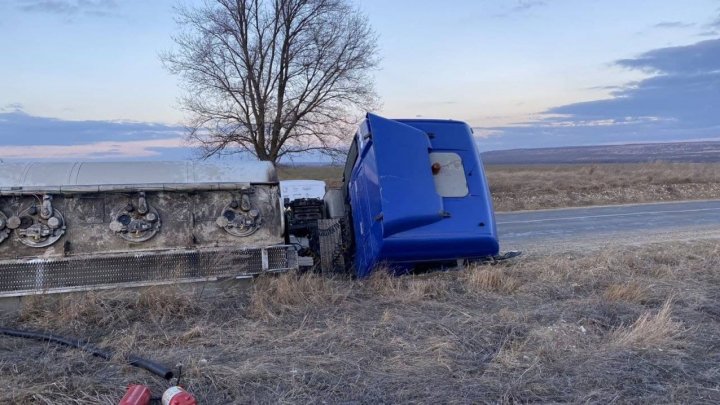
<point>413,194</point>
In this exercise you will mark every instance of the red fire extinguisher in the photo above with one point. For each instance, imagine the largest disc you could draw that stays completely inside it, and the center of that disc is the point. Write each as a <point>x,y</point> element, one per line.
<point>177,396</point>
<point>136,395</point>
<point>140,395</point>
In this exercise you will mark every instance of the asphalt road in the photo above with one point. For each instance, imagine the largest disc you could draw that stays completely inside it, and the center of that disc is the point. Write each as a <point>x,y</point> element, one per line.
<point>595,227</point>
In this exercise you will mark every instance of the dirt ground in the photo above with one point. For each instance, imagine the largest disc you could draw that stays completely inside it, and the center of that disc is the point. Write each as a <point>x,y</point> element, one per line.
<point>628,326</point>
<point>554,186</point>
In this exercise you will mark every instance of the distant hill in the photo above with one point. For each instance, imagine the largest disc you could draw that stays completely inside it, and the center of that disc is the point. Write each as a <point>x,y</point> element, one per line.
<point>700,152</point>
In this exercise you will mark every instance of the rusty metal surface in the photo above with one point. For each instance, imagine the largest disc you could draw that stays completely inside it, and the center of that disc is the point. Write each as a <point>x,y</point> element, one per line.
<point>78,273</point>
<point>80,225</point>
<point>188,221</point>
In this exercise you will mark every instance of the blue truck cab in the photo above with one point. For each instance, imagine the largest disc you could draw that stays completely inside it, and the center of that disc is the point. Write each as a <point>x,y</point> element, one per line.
<point>418,194</point>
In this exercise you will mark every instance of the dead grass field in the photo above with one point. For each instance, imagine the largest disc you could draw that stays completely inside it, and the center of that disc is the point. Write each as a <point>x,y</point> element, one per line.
<point>535,187</point>
<point>639,325</point>
<point>332,175</point>
<point>553,186</point>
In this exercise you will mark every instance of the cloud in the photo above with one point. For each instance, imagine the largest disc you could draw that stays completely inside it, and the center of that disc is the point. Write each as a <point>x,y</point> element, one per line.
<point>527,5</point>
<point>673,24</point>
<point>20,128</point>
<point>521,6</point>
<point>28,137</point>
<point>12,107</point>
<point>682,60</point>
<point>70,8</point>
<point>678,102</point>
<point>98,150</point>
<point>716,23</point>
<point>24,136</point>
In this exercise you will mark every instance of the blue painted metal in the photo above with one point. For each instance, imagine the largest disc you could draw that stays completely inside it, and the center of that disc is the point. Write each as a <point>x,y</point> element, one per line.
<point>399,218</point>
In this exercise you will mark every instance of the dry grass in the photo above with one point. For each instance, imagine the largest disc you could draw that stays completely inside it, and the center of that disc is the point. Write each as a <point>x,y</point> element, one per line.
<point>275,295</point>
<point>107,308</point>
<point>639,325</point>
<point>650,330</point>
<point>547,186</point>
<point>407,289</point>
<point>552,186</point>
<point>332,175</point>
<point>630,292</point>
<point>484,278</point>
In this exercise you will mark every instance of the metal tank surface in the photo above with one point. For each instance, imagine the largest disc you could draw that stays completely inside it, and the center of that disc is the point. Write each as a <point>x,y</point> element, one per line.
<point>89,225</point>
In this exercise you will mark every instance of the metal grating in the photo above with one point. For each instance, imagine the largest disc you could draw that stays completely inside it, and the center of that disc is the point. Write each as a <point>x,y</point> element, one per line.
<point>331,246</point>
<point>281,258</point>
<point>25,277</point>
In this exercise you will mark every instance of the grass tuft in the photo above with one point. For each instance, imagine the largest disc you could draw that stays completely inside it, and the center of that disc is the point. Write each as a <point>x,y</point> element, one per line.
<point>407,288</point>
<point>630,292</point>
<point>493,279</point>
<point>650,330</point>
<point>274,295</point>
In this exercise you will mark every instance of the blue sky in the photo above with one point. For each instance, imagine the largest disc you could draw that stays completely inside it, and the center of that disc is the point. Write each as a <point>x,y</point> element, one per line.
<point>81,79</point>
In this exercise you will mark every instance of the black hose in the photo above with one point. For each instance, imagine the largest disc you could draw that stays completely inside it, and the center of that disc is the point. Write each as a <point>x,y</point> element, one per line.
<point>151,366</point>
<point>133,360</point>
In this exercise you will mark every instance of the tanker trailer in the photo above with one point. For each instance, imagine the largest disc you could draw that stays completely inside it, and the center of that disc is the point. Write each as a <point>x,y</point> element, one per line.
<point>91,225</point>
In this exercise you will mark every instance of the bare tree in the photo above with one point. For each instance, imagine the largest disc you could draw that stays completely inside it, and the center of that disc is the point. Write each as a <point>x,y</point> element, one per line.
<point>273,77</point>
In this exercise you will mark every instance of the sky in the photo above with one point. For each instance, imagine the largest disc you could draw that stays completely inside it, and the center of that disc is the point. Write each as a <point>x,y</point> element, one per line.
<point>82,79</point>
